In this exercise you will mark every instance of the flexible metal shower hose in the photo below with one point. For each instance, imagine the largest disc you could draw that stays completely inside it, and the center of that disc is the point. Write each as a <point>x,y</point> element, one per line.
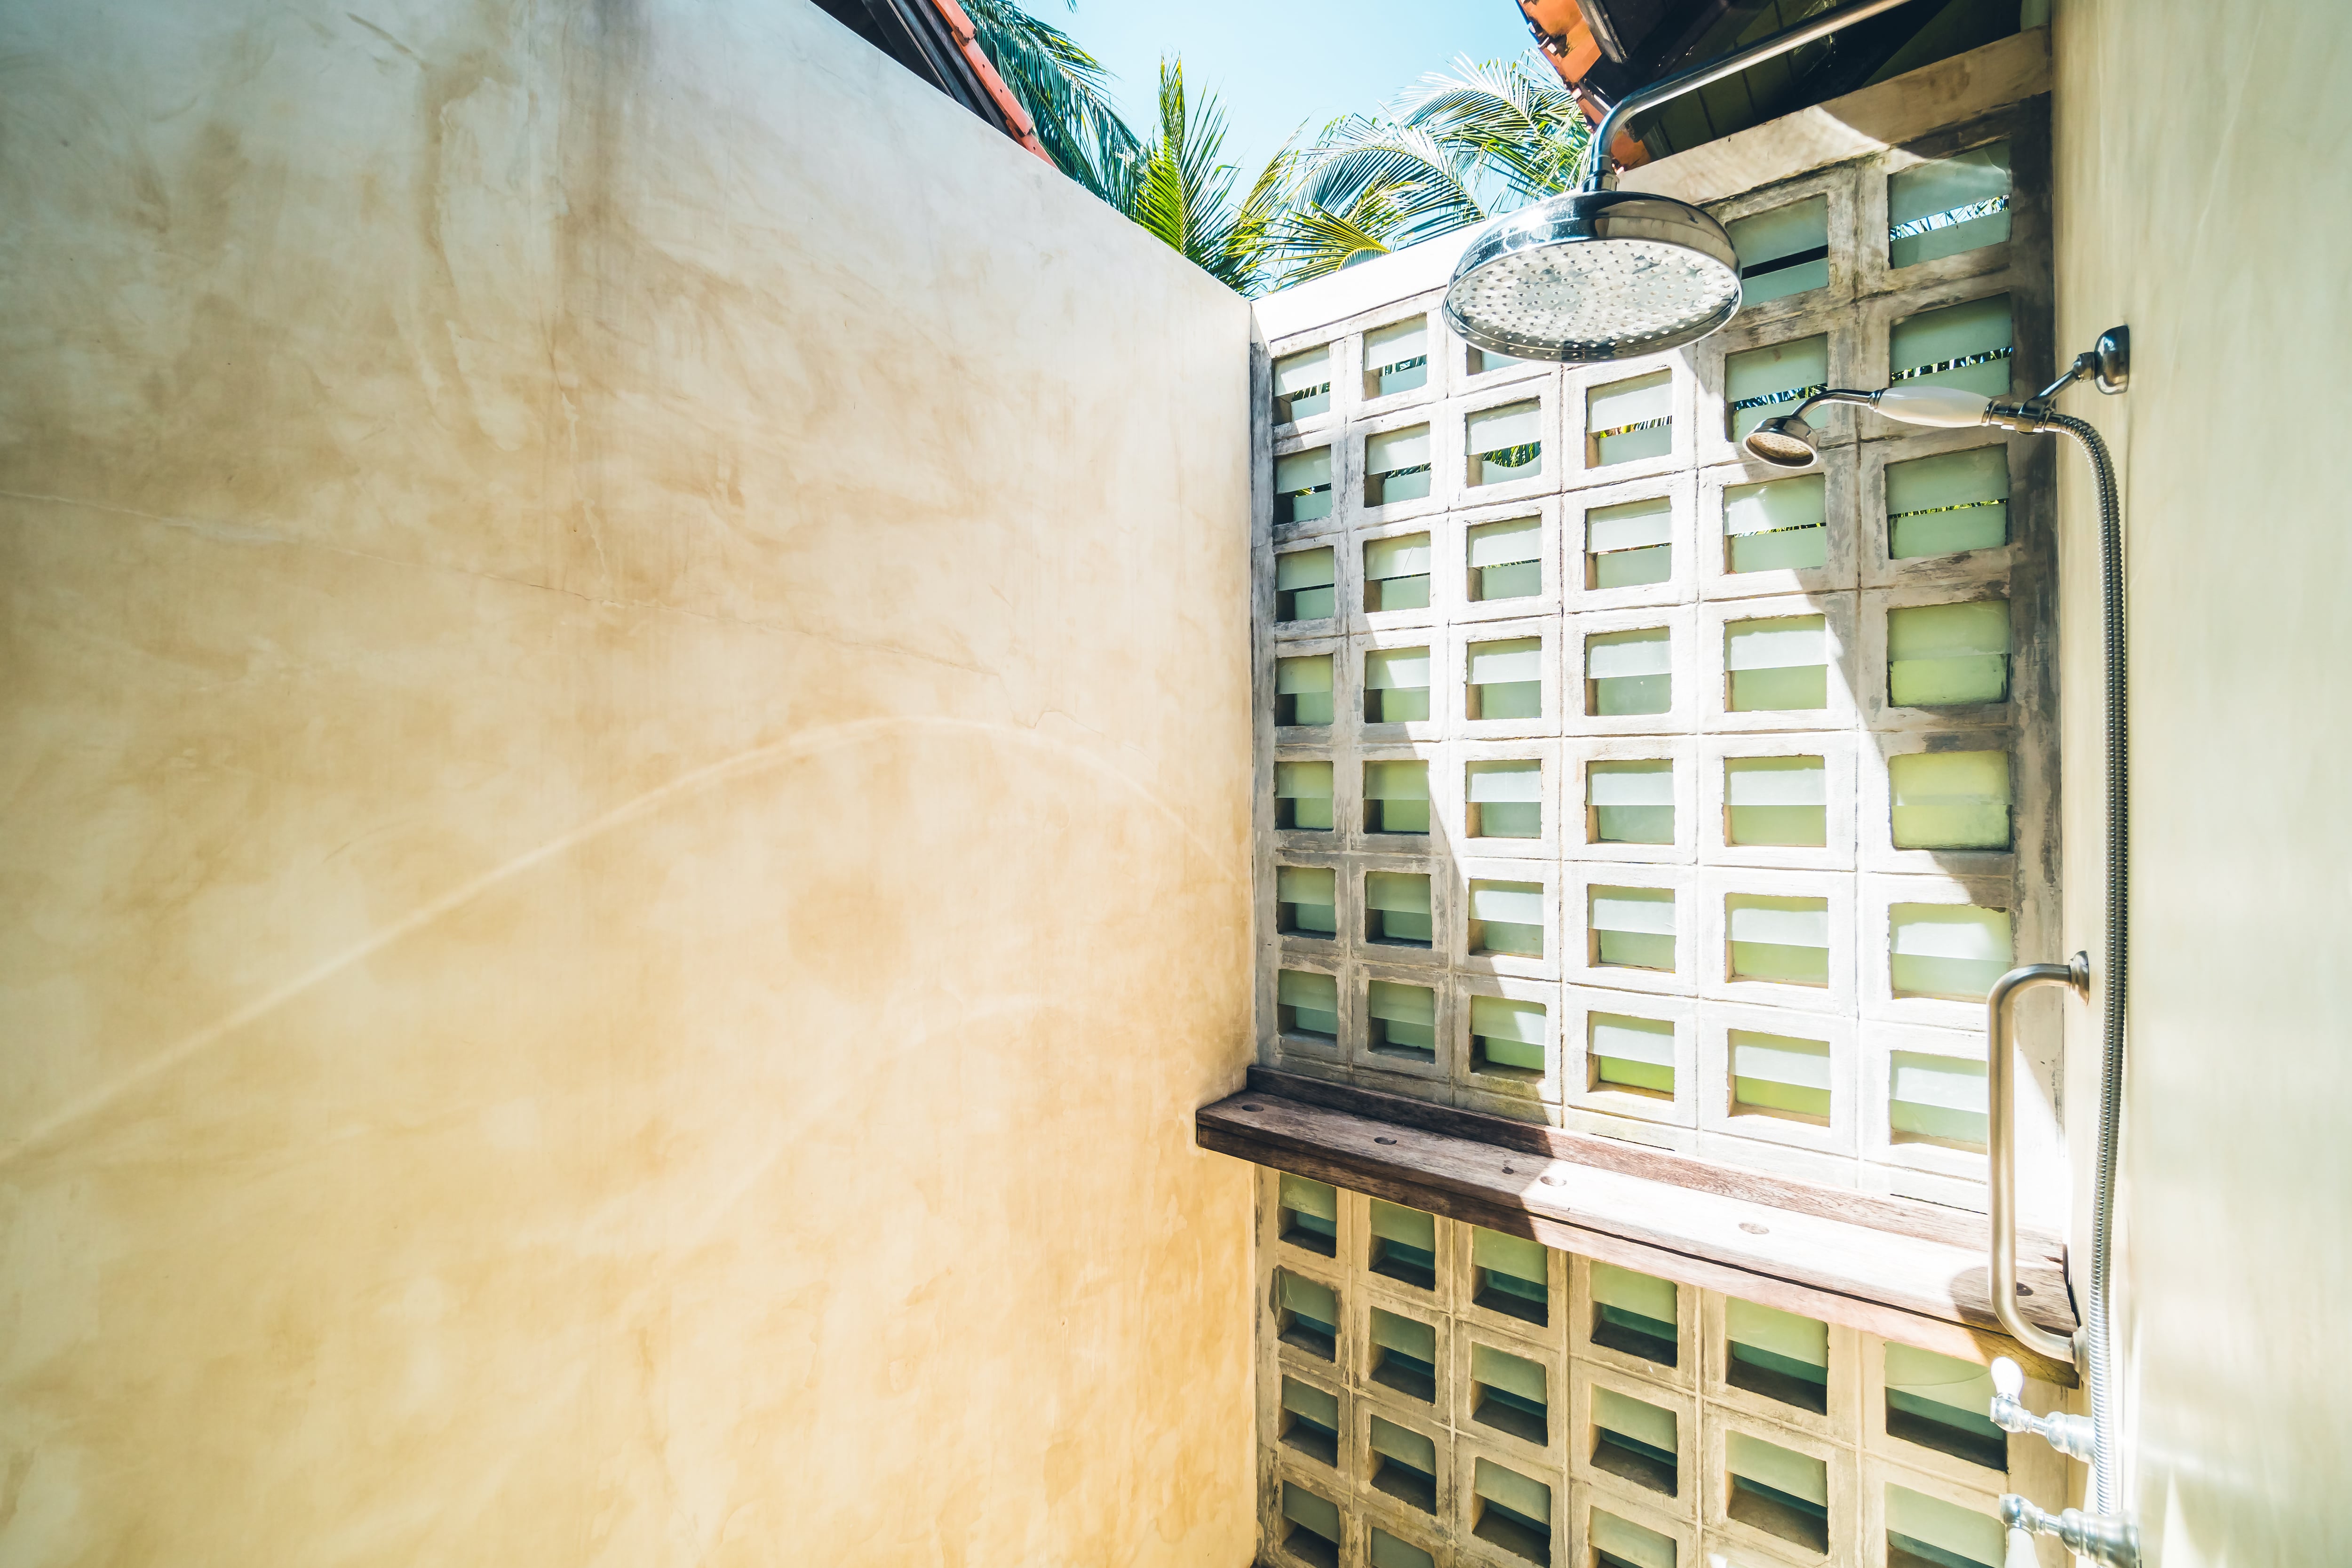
<point>2106,1487</point>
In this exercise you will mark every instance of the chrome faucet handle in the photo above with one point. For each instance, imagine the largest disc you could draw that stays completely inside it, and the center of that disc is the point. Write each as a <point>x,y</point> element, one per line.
<point>2070,1435</point>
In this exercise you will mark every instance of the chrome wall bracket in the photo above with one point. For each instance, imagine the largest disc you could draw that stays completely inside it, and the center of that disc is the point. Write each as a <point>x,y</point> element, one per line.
<point>2115,1542</point>
<point>2070,1435</point>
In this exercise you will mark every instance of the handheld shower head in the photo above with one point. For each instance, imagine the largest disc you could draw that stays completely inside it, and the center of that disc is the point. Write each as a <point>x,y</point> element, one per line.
<point>1785,443</point>
<point>1595,275</point>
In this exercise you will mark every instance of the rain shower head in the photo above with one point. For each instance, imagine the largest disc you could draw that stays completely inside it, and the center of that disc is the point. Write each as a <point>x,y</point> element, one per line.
<point>1595,275</point>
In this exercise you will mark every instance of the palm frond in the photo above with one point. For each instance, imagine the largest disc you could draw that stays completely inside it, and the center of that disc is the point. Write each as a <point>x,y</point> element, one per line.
<point>1064,90</point>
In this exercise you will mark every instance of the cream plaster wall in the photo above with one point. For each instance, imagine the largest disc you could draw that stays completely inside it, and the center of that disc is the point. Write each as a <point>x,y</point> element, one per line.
<point>625,745</point>
<point>2204,195</point>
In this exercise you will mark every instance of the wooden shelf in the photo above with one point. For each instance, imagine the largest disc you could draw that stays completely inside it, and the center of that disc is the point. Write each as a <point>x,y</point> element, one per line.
<point>1910,1272</point>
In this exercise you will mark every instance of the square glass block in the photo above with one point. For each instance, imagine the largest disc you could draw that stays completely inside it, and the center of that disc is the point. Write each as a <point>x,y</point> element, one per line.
<point>1626,421</point>
<point>1506,1038</point>
<point>1310,1421</point>
<point>1404,1355</point>
<point>1509,1394</point>
<point>1307,899</point>
<point>1778,1491</point>
<point>1303,584</point>
<point>1619,1542</point>
<point>1506,918</point>
<point>1302,690</point>
<point>1506,560</point>
<point>1396,685</point>
<point>1780,524</point>
<point>1302,796</point>
<point>1505,443</point>
<point>1504,799</point>
<point>1629,545</point>
<point>1396,466</point>
<point>1504,680</point>
<point>1308,1214</point>
<point>1779,1355</point>
<point>1923,1532</point>
<point>1396,358</point>
<point>1307,1314</point>
<point>1510,1274</point>
<point>1629,673</point>
<point>1396,908</point>
<point>1396,573</point>
<point>1936,1100</point>
<point>1951,951</point>
<point>1635,1314</point>
<point>1386,1550</point>
<point>1632,927</point>
<point>1302,384</point>
<point>1402,1245</point>
<point>1950,800</point>
<point>1780,940</point>
<point>1396,796</point>
<point>1630,802</point>
<point>1760,382</point>
<point>1307,1004</point>
<point>1784,1076</point>
<point>1778,663</point>
<point>1636,1440</point>
<point>1776,801</point>
<point>1630,1054</point>
<point>1510,1510</point>
<point>1784,251</point>
<point>1948,206</point>
<point>1940,1402</point>
<point>1946,655</point>
<point>1302,487</point>
<point>1968,346</point>
<point>1310,1525</point>
<point>1403,1020</point>
<point>1948,504</point>
<point>1403,1463</point>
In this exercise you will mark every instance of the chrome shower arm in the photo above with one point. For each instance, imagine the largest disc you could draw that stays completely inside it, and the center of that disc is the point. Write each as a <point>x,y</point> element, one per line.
<point>1598,171</point>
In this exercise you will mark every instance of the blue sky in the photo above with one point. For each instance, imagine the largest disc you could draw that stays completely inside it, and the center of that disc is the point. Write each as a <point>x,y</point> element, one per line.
<point>1275,63</point>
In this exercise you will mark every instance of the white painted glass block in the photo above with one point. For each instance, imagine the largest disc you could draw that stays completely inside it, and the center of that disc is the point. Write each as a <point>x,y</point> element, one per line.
<point>1317,1200</point>
<point>1938,1098</point>
<point>1396,669</point>
<point>1782,252</point>
<point>1784,940</point>
<point>1310,1003</point>
<point>1506,678</point>
<point>1307,894</point>
<point>1948,504</point>
<point>1303,584</point>
<point>1508,797</point>
<point>1629,1543</point>
<point>1632,1052</point>
<point>1396,359</point>
<point>1779,1073</point>
<point>1302,486</point>
<point>1302,794</point>
<point>1310,1512</point>
<point>1632,802</point>
<point>1968,346</point>
<point>1950,205</point>
<point>1509,543</point>
<point>1513,425</point>
<point>1635,1418</point>
<point>1778,525</point>
<point>1953,1535</point>
<point>1955,951</point>
<point>1779,663</point>
<point>1776,801</point>
<point>1633,927</point>
<point>1405,557</point>
<point>1804,1340</point>
<point>1482,360</point>
<point>1307,682</point>
<point>1302,385</point>
<point>1393,450</point>
<point>1629,673</point>
<point>1509,916</point>
<point>1506,1018</point>
<point>1631,419</point>
<point>1950,800</point>
<point>1630,544</point>
<point>1511,1373</point>
<point>1941,656</point>
<point>1762,383</point>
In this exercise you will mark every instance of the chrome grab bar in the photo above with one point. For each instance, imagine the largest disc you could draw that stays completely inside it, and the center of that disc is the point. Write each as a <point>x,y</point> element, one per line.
<point>2000,1152</point>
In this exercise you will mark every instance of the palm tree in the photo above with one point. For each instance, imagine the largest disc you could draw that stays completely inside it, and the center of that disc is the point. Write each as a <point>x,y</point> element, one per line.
<point>1452,151</point>
<point>1063,87</point>
<point>1178,190</point>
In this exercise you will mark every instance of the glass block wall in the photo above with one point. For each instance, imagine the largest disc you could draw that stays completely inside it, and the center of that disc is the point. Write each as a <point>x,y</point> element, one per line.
<point>1430,1393</point>
<point>1631,786</point>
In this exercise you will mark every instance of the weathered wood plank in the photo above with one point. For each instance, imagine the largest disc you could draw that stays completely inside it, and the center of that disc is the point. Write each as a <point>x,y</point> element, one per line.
<point>1925,1291</point>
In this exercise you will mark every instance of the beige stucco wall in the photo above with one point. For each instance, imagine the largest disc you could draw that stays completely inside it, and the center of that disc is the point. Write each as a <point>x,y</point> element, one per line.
<point>623,756</point>
<point>2205,197</point>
